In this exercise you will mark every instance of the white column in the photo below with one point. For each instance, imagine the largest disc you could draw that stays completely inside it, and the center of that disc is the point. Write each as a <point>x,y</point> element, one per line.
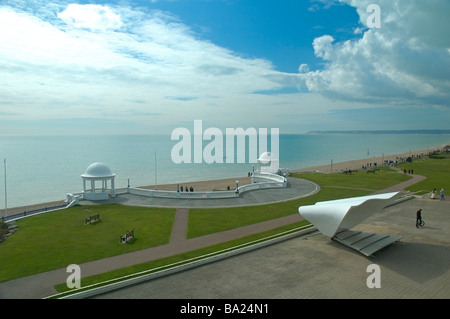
<point>113,190</point>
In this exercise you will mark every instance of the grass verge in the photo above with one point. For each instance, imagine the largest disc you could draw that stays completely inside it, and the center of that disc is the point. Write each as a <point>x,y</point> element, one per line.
<point>55,240</point>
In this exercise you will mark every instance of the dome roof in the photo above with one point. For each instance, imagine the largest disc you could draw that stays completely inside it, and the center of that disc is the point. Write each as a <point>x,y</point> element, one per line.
<point>266,157</point>
<point>98,170</point>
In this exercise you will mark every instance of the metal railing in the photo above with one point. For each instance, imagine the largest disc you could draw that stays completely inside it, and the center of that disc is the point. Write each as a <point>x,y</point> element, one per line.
<point>27,213</point>
<point>265,180</point>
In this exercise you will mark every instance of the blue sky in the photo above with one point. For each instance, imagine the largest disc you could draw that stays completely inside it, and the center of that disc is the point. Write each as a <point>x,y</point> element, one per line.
<point>146,67</point>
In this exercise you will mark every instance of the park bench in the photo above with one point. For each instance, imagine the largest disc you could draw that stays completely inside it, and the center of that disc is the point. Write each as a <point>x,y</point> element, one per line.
<point>127,237</point>
<point>93,218</point>
<point>347,171</point>
<point>373,170</point>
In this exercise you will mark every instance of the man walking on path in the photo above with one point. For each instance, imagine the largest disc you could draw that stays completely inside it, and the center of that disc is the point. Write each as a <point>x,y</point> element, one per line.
<point>419,217</point>
<point>442,194</point>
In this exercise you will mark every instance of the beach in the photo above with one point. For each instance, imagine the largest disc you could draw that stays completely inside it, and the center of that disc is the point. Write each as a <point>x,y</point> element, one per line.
<point>206,186</point>
<point>369,162</point>
<point>223,184</point>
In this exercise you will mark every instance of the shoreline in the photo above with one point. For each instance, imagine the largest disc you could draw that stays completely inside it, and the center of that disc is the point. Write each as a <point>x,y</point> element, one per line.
<point>369,162</point>
<point>223,184</point>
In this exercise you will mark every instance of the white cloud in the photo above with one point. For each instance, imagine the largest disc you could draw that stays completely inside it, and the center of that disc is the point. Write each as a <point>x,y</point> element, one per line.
<point>91,16</point>
<point>303,68</point>
<point>148,69</point>
<point>97,61</point>
<point>403,62</point>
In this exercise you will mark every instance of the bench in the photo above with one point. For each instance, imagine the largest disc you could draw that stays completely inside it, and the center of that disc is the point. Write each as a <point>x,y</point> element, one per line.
<point>373,170</point>
<point>347,171</point>
<point>127,237</point>
<point>93,218</point>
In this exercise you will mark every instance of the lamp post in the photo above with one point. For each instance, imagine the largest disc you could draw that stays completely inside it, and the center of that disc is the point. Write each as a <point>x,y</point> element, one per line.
<point>6,193</point>
<point>156,179</point>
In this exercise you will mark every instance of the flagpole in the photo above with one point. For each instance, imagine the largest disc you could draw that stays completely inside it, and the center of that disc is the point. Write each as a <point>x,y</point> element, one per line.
<point>6,196</point>
<point>156,180</point>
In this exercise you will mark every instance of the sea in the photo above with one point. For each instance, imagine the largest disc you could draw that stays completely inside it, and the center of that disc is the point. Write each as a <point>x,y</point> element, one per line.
<point>40,169</point>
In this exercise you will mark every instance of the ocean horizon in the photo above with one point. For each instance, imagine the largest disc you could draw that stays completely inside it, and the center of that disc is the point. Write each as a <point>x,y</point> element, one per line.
<point>42,169</point>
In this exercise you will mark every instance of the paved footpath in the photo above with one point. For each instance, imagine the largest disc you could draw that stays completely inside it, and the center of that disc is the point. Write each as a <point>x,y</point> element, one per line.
<point>41,285</point>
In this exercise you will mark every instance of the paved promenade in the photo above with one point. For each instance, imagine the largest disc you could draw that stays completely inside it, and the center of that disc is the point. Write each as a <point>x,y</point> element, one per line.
<point>299,268</point>
<point>41,285</point>
<point>418,267</point>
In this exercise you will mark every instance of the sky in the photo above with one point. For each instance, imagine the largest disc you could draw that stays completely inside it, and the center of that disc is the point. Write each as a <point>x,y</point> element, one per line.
<point>151,66</point>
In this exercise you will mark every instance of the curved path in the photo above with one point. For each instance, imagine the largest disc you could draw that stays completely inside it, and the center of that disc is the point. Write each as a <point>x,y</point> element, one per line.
<point>296,188</point>
<point>41,285</point>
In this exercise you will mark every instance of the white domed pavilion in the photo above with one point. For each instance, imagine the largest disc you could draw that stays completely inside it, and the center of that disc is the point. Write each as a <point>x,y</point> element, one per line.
<point>98,172</point>
<point>268,163</point>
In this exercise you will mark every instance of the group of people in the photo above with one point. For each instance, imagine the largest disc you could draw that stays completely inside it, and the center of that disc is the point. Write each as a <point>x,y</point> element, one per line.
<point>191,189</point>
<point>434,195</point>
<point>410,171</point>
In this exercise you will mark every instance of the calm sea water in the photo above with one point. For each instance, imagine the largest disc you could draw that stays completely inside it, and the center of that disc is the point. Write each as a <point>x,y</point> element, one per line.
<point>40,169</point>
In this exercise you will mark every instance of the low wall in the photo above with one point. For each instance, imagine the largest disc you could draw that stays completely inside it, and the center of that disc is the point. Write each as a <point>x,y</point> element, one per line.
<point>181,195</point>
<point>260,181</point>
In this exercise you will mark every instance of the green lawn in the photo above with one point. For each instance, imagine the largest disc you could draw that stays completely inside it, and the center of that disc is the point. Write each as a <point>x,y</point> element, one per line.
<point>334,186</point>
<point>204,221</point>
<point>384,178</point>
<point>437,171</point>
<point>57,239</point>
<point>160,264</point>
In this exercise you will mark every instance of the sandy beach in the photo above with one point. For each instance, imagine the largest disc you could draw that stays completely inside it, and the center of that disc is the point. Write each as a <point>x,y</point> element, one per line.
<point>223,184</point>
<point>369,162</point>
<point>205,186</point>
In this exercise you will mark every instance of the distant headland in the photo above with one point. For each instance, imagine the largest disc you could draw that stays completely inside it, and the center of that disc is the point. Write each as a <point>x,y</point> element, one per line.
<point>382,132</point>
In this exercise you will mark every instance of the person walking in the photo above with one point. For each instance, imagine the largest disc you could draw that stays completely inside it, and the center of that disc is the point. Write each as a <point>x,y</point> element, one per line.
<point>433,194</point>
<point>442,194</point>
<point>418,217</point>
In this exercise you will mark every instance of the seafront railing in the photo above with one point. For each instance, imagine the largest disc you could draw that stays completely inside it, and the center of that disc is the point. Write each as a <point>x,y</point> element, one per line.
<point>31,212</point>
<point>261,180</point>
<point>264,177</point>
<point>182,195</point>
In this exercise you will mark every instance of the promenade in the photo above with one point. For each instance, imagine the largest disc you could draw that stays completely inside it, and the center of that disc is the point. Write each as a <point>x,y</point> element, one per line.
<point>315,267</point>
<point>41,285</point>
<point>298,268</point>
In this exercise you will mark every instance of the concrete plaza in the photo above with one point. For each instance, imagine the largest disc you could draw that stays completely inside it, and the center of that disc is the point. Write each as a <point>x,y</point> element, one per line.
<point>317,267</point>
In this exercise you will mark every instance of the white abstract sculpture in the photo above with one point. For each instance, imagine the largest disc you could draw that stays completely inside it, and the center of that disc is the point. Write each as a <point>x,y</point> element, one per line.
<point>332,216</point>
